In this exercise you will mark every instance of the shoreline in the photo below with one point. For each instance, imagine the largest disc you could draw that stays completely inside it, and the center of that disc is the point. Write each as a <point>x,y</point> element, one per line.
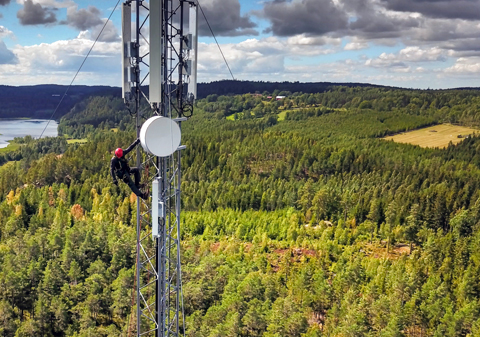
<point>21,127</point>
<point>16,119</point>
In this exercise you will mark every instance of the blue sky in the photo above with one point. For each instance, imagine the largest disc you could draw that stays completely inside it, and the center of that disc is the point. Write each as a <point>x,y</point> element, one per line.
<point>405,43</point>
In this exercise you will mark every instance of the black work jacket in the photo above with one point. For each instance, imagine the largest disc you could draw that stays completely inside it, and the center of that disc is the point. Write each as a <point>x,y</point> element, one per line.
<point>119,166</point>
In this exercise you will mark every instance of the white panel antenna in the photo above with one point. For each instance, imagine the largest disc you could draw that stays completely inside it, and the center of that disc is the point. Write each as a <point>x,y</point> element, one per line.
<point>158,208</point>
<point>155,224</point>
<point>126,44</point>
<point>193,53</point>
<point>156,51</point>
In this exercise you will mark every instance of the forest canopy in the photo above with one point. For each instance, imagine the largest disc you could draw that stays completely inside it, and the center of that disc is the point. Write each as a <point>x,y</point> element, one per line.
<point>297,219</point>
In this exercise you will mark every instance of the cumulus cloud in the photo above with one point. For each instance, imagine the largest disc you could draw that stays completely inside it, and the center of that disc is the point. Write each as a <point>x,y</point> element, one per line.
<point>356,45</point>
<point>383,22</point>
<point>381,25</point>
<point>260,56</point>
<point>89,21</point>
<point>5,32</point>
<point>52,3</point>
<point>465,66</point>
<point>439,30</point>
<point>450,9</point>
<point>35,14</point>
<point>83,19</point>
<point>311,17</point>
<point>225,19</point>
<point>386,61</point>
<point>340,70</point>
<point>109,34</point>
<point>297,30</point>
<point>66,55</point>
<point>401,61</point>
<point>370,20</point>
<point>417,54</point>
<point>6,55</point>
<point>57,62</point>
<point>304,40</point>
<point>351,71</point>
<point>463,48</point>
<point>246,58</point>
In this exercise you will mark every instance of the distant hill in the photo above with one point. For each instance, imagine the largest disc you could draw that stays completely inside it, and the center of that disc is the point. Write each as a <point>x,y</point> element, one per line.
<point>226,87</point>
<point>39,101</point>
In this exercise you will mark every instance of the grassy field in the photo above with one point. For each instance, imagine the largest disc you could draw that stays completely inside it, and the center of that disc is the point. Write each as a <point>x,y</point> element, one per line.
<point>10,147</point>
<point>434,136</point>
<point>73,141</point>
<point>281,115</point>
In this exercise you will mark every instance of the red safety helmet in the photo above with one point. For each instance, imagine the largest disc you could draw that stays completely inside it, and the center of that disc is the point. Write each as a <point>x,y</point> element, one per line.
<point>119,152</point>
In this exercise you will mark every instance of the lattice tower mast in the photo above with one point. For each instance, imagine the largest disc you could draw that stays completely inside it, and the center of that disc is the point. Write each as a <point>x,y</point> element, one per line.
<point>168,56</point>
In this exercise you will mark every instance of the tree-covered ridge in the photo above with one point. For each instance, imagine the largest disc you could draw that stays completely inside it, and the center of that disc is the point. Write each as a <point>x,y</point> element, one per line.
<point>236,87</point>
<point>40,101</point>
<point>447,105</point>
<point>99,112</point>
<point>291,228</point>
<point>453,106</point>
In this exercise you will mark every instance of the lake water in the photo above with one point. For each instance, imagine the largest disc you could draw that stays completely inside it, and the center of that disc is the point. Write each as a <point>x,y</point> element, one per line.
<point>11,128</point>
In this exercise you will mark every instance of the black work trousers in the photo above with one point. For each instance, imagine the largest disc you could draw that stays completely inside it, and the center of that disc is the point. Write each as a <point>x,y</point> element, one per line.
<point>134,186</point>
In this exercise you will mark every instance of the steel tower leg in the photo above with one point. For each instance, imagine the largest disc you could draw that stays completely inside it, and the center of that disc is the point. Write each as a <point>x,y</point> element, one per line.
<point>137,129</point>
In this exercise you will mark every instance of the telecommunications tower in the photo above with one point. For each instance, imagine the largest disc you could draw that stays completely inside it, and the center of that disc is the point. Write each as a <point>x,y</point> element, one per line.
<point>159,41</point>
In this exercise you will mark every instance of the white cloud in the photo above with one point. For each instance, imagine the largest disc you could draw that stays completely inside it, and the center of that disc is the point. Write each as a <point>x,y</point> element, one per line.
<point>443,30</point>
<point>465,66</point>
<point>399,62</point>
<point>6,55</point>
<point>385,61</point>
<point>417,54</point>
<point>5,32</point>
<point>52,3</point>
<point>109,33</point>
<point>260,56</point>
<point>303,40</point>
<point>356,46</point>
<point>57,63</point>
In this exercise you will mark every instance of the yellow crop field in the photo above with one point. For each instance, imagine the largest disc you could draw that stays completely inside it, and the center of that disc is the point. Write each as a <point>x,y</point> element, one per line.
<point>434,136</point>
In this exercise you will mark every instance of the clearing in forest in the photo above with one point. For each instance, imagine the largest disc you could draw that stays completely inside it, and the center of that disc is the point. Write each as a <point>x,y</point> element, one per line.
<point>434,136</point>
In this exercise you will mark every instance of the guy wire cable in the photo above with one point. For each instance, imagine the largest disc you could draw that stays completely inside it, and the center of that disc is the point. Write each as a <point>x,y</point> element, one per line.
<point>78,71</point>
<point>218,45</point>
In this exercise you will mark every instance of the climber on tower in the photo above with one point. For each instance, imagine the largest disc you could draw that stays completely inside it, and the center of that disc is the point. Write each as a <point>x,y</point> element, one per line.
<point>119,169</point>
